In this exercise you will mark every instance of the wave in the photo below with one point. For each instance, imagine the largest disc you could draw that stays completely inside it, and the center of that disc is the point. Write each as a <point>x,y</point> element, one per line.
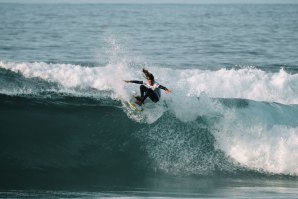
<point>203,128</point>
<point>244,83</point>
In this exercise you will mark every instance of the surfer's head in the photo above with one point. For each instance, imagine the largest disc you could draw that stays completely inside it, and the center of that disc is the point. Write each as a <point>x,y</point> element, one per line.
<point>148,76</point>
<point>150,82</point>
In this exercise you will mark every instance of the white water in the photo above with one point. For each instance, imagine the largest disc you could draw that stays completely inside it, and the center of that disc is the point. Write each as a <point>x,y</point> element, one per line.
<point>262,137</point>
<point>247,83</point>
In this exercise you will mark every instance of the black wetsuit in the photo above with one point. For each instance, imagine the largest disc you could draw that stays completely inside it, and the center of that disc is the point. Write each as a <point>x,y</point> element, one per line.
<point>151,91</point>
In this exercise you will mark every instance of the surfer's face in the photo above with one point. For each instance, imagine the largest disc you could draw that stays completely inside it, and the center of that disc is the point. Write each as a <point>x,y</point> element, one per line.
<point>150,82</point>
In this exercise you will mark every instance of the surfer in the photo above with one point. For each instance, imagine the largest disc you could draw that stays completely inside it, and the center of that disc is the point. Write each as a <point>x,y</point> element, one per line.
<point>150,89</point>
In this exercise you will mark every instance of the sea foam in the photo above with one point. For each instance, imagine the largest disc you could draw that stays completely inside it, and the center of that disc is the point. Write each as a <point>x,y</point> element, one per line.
<point>246,83</point>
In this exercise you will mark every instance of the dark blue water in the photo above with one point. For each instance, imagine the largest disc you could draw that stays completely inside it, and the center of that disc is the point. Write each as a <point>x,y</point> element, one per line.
<point>228,130</point>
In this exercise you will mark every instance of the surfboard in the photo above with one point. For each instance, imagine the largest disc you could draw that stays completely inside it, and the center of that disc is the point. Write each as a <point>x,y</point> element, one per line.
<point>133,105</point>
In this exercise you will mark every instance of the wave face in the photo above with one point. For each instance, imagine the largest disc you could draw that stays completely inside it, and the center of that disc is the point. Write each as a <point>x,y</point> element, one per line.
<point>224,122</point>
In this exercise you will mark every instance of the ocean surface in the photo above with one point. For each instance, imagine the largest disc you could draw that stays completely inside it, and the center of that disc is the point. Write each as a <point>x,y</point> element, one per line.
<point>229,129</point>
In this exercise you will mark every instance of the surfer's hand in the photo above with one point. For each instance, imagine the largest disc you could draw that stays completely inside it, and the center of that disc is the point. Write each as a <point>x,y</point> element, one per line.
<point>168,91</point>
<point>126,81</point>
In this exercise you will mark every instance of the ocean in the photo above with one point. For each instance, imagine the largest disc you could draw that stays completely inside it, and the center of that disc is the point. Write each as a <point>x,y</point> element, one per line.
<point>229,129</point>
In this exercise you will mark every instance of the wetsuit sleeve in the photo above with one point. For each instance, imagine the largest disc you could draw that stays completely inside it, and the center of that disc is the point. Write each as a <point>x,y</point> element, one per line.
<point>162,87</point>
<point>136,82</point>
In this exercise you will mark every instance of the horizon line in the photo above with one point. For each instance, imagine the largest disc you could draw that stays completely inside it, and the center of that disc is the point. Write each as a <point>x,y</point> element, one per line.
<point>156,3</point>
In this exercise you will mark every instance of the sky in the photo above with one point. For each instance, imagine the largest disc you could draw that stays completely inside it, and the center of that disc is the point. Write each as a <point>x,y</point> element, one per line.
<point>153,1</point>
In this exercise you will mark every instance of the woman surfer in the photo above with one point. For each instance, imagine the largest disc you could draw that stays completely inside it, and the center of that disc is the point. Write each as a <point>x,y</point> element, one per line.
<point>149,89</point>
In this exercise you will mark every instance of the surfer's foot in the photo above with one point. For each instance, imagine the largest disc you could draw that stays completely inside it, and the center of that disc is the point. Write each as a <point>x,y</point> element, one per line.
<point>138,98</point>
<point>138,101</point>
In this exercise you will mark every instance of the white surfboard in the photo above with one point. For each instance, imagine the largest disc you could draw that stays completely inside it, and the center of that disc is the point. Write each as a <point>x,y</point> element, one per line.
<point>132,104</point>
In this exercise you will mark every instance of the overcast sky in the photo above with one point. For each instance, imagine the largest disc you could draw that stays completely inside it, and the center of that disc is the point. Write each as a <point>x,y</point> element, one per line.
<point>149,1</point>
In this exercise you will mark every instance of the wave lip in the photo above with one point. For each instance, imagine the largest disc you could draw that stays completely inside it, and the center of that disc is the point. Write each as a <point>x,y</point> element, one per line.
<point>246,83</point>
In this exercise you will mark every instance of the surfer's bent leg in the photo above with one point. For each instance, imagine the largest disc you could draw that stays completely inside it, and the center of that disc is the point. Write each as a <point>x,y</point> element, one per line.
<point>151,94</point>
<point>143,90</point>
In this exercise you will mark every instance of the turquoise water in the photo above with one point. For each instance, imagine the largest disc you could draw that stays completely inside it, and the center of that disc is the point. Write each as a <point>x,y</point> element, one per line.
<point>228,130</point>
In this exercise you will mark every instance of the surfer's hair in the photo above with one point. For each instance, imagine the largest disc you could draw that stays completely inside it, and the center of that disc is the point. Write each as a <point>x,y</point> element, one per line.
<point>148,75</point>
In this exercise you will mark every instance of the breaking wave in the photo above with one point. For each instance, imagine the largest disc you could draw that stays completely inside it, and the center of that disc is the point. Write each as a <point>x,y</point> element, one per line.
<point>215,122</point>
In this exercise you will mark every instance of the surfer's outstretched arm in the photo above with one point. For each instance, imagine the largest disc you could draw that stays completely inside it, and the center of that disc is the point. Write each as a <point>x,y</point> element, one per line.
<point>165,89</point>
<point>133,81</point>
